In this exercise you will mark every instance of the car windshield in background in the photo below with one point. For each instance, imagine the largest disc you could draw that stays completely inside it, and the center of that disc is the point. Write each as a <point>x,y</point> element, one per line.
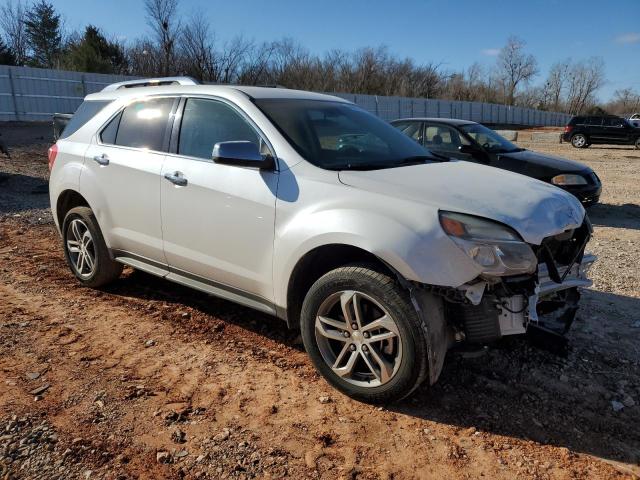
<point>489,139</point>
<point>341,136</point>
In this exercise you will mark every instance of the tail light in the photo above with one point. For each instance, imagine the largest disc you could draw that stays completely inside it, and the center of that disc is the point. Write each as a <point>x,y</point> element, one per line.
<point>53,152</point>
<point>568,129</point>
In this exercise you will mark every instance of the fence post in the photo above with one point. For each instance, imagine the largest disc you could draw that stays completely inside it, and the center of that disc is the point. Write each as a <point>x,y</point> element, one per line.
<point>377,109</point>
<point>13,94</point>
<point>84,86</point>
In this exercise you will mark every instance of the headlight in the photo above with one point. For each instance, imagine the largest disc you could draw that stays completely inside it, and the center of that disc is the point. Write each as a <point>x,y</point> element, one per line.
<point>496,248</point>
<point>568,179</point>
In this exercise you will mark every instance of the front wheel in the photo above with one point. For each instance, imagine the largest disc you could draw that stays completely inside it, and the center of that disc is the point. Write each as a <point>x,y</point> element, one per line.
<point>363,334</point>
<point>85,249</point>
<point>579,140</point>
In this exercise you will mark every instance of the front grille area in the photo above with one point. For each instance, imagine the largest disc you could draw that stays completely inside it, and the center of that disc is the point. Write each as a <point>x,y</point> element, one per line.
<point>564,249</point>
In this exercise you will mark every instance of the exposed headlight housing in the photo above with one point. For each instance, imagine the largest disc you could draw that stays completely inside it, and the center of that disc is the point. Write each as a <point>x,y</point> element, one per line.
<point>495,247</point>
<point>567,179</point>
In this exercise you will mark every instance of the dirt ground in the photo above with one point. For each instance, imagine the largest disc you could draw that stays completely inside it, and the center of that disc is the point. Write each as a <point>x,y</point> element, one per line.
<point>146,379</point>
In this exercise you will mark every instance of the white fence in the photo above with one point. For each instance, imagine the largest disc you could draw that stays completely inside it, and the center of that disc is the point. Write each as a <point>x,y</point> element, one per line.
<point>34,94</point>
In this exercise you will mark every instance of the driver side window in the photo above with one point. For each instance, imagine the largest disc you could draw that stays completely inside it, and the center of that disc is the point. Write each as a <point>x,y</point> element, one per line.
<point>207,122</point>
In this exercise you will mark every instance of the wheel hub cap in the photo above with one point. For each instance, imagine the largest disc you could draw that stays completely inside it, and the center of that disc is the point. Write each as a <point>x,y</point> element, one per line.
<point>80,248</point>
<point>358,338</point>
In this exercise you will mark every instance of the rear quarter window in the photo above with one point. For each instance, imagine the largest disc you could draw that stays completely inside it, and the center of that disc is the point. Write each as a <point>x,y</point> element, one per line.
<point>577,121</point>
<point>85,112</point>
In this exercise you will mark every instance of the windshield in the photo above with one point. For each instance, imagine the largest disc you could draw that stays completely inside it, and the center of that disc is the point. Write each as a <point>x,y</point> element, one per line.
<point>490,140</point>
<point>339,136</point>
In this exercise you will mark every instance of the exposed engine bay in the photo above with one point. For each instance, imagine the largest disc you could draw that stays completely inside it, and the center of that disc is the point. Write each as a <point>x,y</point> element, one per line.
<point>543,302</point>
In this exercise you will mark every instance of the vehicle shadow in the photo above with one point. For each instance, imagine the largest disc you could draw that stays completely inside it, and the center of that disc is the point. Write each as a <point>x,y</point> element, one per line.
<point>511,389</point>
<point>148,287</point>
<point>619,216</point>
<point>516,390</point>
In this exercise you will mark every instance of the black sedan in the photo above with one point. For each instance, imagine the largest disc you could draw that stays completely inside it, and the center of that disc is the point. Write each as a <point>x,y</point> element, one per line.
<point>474,142</point>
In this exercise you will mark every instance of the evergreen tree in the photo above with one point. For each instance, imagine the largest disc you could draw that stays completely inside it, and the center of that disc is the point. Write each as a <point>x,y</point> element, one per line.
<point>95,54</point>
<point>6,55</point>
<point>43,34</point>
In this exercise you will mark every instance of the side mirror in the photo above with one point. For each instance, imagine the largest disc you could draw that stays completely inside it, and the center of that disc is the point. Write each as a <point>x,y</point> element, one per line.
<point>469,149</point>
<point>242,154</point>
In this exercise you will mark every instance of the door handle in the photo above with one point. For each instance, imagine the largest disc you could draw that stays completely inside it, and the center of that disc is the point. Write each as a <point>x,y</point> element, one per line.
<point>176,178</point>
<point>102,159</point>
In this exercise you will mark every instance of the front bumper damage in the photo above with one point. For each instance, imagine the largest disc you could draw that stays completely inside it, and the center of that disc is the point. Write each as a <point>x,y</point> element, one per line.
<point>489,311</point>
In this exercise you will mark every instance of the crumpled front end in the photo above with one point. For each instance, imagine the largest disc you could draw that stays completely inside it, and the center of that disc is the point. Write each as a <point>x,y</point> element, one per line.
<point>542,302</point>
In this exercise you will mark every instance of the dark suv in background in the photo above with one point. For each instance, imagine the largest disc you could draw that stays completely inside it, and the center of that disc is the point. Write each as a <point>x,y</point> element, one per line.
<point>584,131</point>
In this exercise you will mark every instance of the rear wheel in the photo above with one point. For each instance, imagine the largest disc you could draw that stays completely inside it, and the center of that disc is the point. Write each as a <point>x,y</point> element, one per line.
<point>638,143</point>
<point>85,249</point>
<point>364,335</point>
<point>579,140</point>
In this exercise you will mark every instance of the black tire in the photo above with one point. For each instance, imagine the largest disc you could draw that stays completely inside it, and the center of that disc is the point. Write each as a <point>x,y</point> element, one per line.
<point>412,366</point>
<point>579,140</point>
<point>637,143</point>
<point>105,270</point>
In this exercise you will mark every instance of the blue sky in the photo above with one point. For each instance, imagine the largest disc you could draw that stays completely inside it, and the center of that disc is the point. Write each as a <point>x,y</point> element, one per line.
<point>455,33</point>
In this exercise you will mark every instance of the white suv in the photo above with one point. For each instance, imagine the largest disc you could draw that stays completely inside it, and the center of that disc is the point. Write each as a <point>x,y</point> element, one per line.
<point>309,208</point>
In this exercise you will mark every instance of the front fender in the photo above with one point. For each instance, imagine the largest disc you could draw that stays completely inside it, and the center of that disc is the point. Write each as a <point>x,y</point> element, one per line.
<point>415,247</point>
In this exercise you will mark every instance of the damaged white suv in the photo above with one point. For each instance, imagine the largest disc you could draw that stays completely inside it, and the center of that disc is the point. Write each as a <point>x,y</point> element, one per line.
<point>307,207</point>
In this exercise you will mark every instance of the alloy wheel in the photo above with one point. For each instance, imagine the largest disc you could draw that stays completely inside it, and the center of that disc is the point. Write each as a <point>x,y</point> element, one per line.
<point>579,141</point>
<point>358,338</point>
<point>81,248</point>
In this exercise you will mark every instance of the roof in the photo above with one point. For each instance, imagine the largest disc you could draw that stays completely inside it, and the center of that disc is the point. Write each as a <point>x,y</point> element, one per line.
<point>220,90</point>
<point>449,121</point>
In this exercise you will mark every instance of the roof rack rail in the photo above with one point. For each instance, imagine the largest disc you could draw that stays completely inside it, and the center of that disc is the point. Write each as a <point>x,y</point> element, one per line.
<point>151,82</point>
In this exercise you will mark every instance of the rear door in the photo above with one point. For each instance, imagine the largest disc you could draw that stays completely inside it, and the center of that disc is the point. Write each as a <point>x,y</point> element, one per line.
<point>121,178</point>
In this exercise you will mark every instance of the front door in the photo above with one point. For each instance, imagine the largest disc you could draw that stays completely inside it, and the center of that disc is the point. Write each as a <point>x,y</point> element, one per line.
<point>218,220</point>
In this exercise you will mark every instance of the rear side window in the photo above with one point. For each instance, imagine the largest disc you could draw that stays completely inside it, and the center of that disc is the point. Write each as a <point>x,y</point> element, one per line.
<point>141,125</point>
<point>207,122</point>
<point>595,121</point>
<point>86,111</point>
<point>577,121</point>
<point>410,129</point>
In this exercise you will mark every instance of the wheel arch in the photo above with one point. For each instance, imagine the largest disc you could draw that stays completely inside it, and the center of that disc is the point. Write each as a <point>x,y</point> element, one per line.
<point>318,261</point>
<point>67,200</point>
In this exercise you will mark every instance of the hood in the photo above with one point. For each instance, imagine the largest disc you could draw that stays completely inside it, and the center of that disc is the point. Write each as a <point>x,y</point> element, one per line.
<point>533,208</point>
<point>542,166</point>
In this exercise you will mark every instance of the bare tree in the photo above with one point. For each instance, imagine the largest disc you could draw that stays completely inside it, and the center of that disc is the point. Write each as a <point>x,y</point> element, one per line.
<point>584,79</point>
<point>163,19</point>
<point>231,58</point>
<point>514,67</point>
<point>625,102</point>
<point>556,84</point>
<point>12,22</point>
<point>197,54</point>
